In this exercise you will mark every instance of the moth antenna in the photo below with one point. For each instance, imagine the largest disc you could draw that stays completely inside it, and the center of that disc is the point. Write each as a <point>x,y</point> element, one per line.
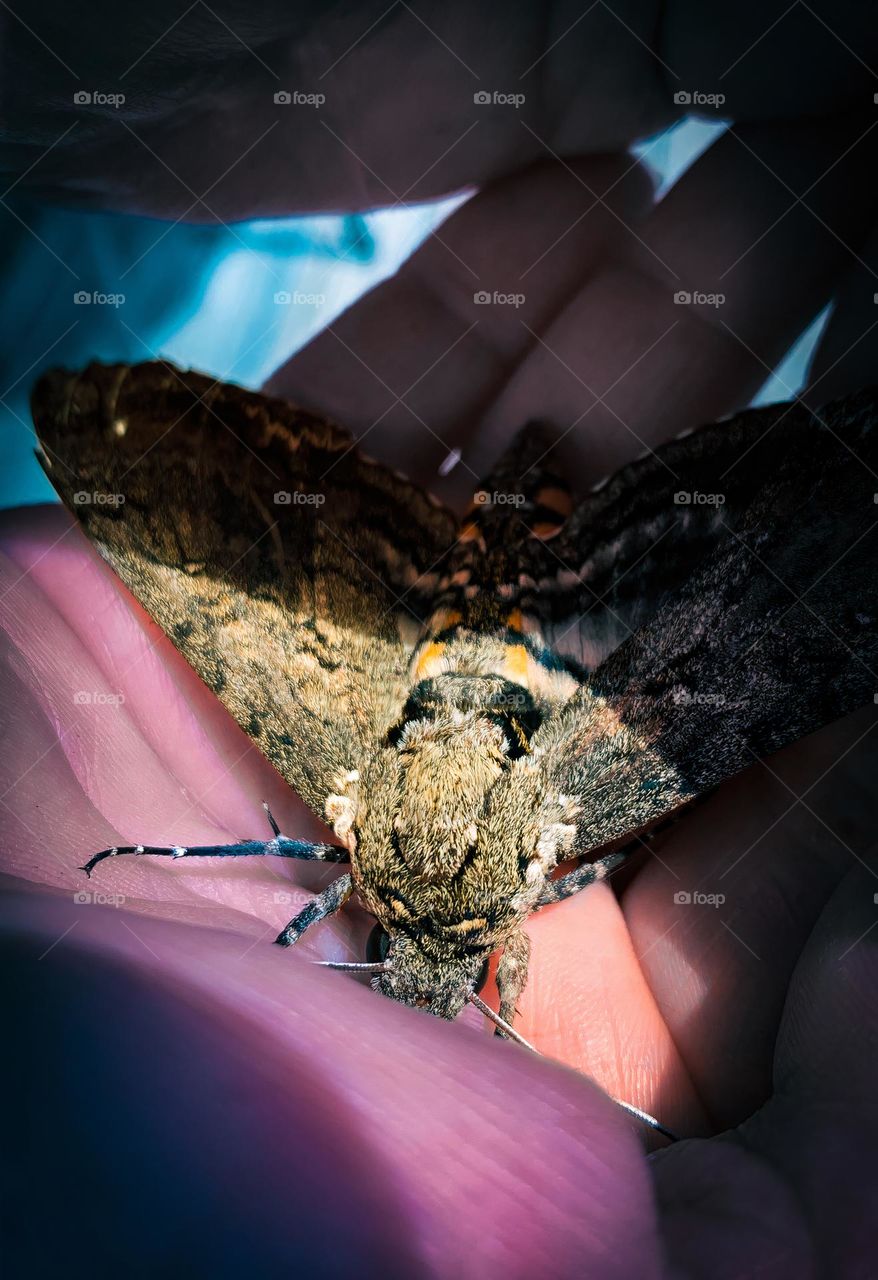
<point>350,966</point>
<point>504,1026</point>
<point>646,1118</point>
<point>500,1022</point>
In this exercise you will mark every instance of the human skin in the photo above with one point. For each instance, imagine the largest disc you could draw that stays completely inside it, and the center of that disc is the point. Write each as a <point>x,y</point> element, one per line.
<point>184,1094</point>
<point>208,1097</point>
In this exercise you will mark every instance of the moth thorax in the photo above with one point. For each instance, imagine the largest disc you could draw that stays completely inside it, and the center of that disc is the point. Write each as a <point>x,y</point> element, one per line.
<point>447,773</point>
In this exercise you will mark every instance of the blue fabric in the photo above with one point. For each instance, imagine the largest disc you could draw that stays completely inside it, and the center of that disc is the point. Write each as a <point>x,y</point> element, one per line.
<point>232,301</point>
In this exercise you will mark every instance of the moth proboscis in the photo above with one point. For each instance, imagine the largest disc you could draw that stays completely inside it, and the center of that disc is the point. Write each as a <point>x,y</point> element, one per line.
<point>470,703</point>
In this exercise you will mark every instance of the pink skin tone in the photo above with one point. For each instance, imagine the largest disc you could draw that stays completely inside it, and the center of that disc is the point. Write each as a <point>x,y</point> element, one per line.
<point>280,1112</point>
<point>192,1029</point>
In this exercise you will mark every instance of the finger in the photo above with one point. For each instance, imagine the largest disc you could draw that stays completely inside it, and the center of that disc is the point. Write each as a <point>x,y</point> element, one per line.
<point>722,911</point>
<point>726,1212</point>
<point>413,365</point>
<point>819,1129</point>
<point>587,1003</point>
<point>251,1075</point>
<point>625,367</point>
<point>609,357</point>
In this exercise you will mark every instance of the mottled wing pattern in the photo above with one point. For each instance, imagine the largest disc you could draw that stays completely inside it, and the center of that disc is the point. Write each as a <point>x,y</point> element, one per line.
<point>773,635</point>
<point>634,540</point>
<point>290,571</point>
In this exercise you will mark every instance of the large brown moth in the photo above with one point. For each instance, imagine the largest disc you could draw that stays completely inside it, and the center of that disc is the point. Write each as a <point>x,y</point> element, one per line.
<point>471,703</point>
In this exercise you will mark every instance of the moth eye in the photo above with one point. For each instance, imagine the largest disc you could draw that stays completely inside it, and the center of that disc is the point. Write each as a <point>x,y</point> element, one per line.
<point>377,945</point>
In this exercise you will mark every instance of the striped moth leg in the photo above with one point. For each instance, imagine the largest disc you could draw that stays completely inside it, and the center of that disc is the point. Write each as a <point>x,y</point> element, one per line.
<point>280,846</point>
<point>325,904</point>
<point>512,976</point>
<point>585,874</point>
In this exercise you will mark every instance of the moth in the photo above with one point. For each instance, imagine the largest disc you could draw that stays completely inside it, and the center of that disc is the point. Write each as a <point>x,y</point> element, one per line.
<point>473,704</point>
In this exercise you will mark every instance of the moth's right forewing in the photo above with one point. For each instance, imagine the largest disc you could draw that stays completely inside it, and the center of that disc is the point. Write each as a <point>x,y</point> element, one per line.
<point>637,538</point>
<point>773,636</point>
<point>285,567</point>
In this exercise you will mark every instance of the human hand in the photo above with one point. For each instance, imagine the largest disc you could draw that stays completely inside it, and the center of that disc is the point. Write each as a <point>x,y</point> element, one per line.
<point>446,1154</point>
<point>777,217</point>
<point>155,1025</point>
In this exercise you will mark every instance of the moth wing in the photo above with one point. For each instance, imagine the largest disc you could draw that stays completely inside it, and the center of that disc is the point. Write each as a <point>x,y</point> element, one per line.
<point>774,635</point>
<point>289,570</point>
<point>635,540</point>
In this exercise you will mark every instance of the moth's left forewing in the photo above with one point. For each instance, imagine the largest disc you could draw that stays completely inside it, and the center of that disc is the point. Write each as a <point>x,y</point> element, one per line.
<point>286,568</point>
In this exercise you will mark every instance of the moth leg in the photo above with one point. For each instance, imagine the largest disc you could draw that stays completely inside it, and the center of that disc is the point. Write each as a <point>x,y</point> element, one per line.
<point>280,846</point>
<point>325,904</point>
<point>512,976</point>
<point>584,875</point>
